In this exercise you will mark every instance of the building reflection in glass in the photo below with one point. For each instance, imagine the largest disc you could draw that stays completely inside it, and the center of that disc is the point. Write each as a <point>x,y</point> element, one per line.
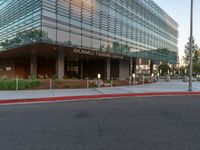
<point>132,28</point>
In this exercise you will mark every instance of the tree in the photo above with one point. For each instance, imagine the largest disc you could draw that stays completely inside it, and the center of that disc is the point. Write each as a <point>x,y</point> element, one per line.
<point>195,56</point>
<point>196,61</point>
<point>165,68</point>
<point>24,37</point>
<point>186,58</point>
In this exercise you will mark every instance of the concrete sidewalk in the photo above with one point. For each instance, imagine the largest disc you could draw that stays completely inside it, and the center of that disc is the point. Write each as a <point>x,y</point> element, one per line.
<point>175,86</point>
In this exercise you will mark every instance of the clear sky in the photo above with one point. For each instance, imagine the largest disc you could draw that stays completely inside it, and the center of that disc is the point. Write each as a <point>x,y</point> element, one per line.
<point>180,11</point>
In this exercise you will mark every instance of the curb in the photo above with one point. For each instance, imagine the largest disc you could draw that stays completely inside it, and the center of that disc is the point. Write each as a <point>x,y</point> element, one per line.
<point>89,97</point>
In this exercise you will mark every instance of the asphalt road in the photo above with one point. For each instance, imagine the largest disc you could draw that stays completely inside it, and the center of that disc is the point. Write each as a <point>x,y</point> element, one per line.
<point>155,123</point>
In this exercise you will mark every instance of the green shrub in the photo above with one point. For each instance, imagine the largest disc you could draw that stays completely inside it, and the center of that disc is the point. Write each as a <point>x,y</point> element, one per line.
<point>93,85</point>
<point>66,86</point>
<point>23,84</point>
<point>31,77</point>
<point>7,85</point>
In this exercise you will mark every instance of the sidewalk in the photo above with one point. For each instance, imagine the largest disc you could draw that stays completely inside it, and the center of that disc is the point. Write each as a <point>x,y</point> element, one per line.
<point>175,86</point>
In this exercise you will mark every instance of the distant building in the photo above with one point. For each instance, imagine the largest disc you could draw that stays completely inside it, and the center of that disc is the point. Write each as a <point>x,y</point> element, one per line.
<point>81,38</point>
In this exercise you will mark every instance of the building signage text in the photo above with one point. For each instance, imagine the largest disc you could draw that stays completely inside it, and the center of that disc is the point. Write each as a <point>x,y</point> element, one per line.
<point>97,53</point>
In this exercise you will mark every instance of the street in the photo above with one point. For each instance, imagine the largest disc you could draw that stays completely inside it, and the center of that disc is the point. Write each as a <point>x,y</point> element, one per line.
<point>145,123</point>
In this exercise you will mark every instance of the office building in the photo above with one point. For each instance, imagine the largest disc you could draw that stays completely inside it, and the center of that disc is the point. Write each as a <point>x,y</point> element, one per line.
<point>81,38</point>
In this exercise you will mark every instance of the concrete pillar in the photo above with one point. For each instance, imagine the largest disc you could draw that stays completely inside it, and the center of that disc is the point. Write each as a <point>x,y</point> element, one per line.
<point>151,66</point>
<point>124,69</point>
<point>60,64</point>
<point>33,65</point>
<point>108,69</point>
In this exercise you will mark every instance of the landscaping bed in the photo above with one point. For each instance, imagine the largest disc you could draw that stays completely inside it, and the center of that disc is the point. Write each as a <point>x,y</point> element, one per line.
<point>40,84</point>
<point>22,84</point>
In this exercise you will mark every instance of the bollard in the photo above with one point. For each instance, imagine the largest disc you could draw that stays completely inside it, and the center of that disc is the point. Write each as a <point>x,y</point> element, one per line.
<point>152,77</point>
<point>87,82</point>
<point>17,83</point>
<point>99,77</point>
<point>50,83</point>
<point>158,77</point>
<point>133,78</point>
<point>111,82</point>
<point>99,83</point>
<point>143,80</point>
<point>129,80</point>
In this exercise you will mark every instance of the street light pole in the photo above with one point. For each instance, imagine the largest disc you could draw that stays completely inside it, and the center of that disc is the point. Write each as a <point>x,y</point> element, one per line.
<point>191,37</point>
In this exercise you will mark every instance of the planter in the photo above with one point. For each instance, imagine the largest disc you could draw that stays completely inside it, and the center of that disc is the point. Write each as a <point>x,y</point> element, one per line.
<point>185,79</point>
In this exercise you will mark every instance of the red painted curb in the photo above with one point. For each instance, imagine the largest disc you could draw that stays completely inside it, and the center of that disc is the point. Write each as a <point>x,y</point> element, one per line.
<point>71,98</point>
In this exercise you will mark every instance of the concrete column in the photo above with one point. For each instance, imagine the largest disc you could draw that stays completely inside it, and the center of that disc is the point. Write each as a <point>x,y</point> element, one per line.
<point>33,65</point>
<point>151,66</point>
<point>124,69</point>
<point>108,69</point>
<point>60,63</point>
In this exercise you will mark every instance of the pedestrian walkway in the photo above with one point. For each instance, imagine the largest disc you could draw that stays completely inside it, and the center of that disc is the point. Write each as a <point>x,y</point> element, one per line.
<point>175,86</point>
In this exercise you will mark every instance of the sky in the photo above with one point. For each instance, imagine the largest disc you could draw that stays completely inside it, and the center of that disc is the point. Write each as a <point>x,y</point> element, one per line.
<point>180,11</point>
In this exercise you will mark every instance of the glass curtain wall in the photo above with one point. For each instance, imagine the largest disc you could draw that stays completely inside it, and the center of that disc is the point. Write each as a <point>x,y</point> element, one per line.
<point>20,23</point>
<point>137,28</point>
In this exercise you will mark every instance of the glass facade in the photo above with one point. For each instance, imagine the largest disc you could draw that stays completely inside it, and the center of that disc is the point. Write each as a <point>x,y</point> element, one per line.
<point>20,22</point>
<point>135,28</point>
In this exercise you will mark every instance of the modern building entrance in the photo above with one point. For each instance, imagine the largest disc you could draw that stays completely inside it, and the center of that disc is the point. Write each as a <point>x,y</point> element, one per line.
<point>50,61</point>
